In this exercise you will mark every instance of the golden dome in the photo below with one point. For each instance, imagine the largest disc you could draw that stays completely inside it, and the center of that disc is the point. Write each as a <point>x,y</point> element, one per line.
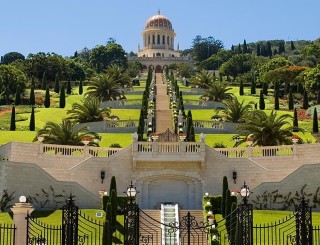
<point>159,21</point>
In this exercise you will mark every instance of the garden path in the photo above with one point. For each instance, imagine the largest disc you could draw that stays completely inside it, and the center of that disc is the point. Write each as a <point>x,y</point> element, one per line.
<point>163,112</point>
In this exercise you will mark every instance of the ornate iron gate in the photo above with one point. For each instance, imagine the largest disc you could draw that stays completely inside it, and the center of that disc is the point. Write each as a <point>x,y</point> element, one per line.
<point>7,234</point>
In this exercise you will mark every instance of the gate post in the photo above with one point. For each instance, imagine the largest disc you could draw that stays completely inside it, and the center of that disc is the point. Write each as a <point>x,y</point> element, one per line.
<point>20,213</point>
<point>70,223</point>
<point>303,223</point>
<point>245,219</point>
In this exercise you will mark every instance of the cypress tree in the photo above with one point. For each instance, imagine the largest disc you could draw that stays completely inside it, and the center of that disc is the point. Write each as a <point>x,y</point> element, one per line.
<point>269,49</point>
<point>276,100</point>
<point>295,121</point>
<point>258,50</point>
<point>225,187</point>
<point>228,209</point>
<point>265,89</point>
<point>17,100</point>
<point>305,100</point>
<point>106,236</point>
<point>292,47</point>
<point>275,51</point>
<point>44,82</point>
<point>263,51</point>
<point>13,119</point>
<point>113,202</point>
<point>241,92</point>
<point>290,100</point>
<point>192,135</point>
<point>32,99</point>
<point>113,184</point>
<point>69,87</point>
<point>245,48</point>
<point>47,98</point>
<point>232,48</point>
<point>62,100</point>
<point>253,87</point>
<point>81,87</point>
<point>233,224</point>
<point>239,49</point>
<point>32,124</point>
<point>56,84</point>
<point>262,104</point>
<point>109,216</point>
<point>315,126</point>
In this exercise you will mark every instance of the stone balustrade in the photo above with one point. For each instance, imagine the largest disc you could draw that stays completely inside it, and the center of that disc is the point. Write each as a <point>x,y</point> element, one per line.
<point>168,147</point>
<point>267,151</point>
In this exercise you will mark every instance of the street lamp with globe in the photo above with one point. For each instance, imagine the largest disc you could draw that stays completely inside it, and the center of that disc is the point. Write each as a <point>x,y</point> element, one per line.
<point>245,193</point>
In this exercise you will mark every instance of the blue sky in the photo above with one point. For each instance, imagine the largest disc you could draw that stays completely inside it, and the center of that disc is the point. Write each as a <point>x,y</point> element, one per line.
<point>63,26</point>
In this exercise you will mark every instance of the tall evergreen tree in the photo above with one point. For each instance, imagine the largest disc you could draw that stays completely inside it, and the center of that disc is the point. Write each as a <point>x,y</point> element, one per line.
<point>69,87</point>
<point>81,87</point>
<point>290,100</point>
<point>225,187</point>
<point>62,100</point>
<point>305,100</point>
<point>32,124</point>
<point>262,104</point>
<point>245,47</point>
<point>13,119</point>
<point>109,216</point>
<point>263,51</point>
<point>258,50</point>
<point>239,49</point>
<point>47,98</point>
<point>192,137</point>
<point>44,81</point>
<point>253,87</point>
<point>295,121</point>
<point>233,224</point>
<point>232,48</point>
<point>106,236</point>
<point>113,201</point>
<point>276,100</point>
<point>275,52</point>
<point>56,84</point>
<point>315,126</point>
<point>17,100</point>
<point>269,49</point>
<point>228,209</point>
<point>113,184</point>
<point>241,92</point>
<point>32,99</point>
<point>265,89</point>
<point>292,47</point>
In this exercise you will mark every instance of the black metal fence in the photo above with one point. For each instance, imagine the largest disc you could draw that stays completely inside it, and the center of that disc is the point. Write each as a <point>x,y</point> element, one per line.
<point>7,234</point>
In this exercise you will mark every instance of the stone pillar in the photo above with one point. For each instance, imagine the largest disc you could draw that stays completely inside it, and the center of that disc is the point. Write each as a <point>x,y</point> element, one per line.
<point>20,211</point>
<point>250,151</point>
<point>86,151</point>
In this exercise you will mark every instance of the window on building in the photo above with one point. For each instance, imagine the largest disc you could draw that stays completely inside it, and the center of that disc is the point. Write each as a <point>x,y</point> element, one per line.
<point>163,40</point>
<point>158,41</point>
<point>153,40</point>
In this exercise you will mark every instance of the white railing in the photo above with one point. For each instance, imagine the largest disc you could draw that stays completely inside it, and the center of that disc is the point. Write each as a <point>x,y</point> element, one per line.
<point>169,147</point>
<point>266,151</point>
<point>81,151</point>
<point>176,209</point>
<point>121,123</point>
<point>206,124</point>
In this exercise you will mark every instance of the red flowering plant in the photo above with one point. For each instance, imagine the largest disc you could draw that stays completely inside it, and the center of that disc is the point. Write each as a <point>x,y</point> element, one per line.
<point>86,139</point>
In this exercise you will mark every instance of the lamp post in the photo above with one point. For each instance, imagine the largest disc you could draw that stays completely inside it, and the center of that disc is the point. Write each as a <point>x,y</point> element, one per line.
<point>245,193</point>
<point>131,217</point>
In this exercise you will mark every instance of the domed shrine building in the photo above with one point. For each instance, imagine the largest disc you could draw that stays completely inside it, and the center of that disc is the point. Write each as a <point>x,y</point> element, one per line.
<point>158,44</point>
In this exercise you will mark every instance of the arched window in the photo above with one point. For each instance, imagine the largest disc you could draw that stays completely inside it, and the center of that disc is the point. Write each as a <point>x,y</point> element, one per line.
<point>168,40</point>
<point>158,40</point>
<point>153,39</point>
<point>163,40</point>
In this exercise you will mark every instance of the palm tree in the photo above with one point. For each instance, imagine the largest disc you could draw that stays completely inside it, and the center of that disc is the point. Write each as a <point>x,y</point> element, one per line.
<point>64,133</point>
<point>89,111</point>
<point>218,91</point>
<point>202,80</point>
<point>235,111</point>
<point>119,75</point>
<point>266,130</point>
<point>105,88</point>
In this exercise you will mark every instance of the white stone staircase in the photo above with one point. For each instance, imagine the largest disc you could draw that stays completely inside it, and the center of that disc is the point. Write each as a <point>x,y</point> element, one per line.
<point>169,216</point>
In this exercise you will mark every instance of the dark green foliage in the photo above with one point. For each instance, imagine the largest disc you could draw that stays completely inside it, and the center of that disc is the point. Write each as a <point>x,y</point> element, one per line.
<point>228,209</point>
<point>107,236</point>
<point>189,137</point>
<point>13,119</point>
<point>17,100</point>
<point>44,81</point>
<point>318,97</point>
<point>47,98</point>
<point>81,87</point>
<point>5,199</point>
<point>122,201</point>
<point>305,100</point>
<point>315,126</point>
<point>241,92</point>
<point>281,48</point>
<point>245,48</point>
<point>32,99</point>
<point>290,100</point>
<point>109,214</point>
<point>262,104</point>
<point>295,121</point>
<point>269,49</point>
<point>258,50</point>
<point>265,89</point>
<point>69,87</point>
<point>292,47</point>
<point>192,135</point>
<point>225,187</point>
<point>56,84</point>
<point>253,86</point>
<point>113,184</point>
<point>62,100</point>
<point>113,202</point>
<point>276,100</point>
<point>32,124</point>
<point>239,51</point>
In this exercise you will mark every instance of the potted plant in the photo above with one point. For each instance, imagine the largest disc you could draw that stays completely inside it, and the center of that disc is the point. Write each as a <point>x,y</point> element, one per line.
<point>86,140</point>
<point>295,139</point>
